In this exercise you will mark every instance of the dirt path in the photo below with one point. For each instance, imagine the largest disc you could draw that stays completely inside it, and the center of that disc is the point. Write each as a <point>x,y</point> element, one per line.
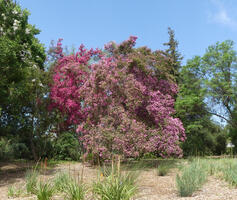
<point>151,186</point>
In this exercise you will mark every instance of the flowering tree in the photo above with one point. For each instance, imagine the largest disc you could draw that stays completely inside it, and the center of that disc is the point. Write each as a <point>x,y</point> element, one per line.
<point>120,100</point>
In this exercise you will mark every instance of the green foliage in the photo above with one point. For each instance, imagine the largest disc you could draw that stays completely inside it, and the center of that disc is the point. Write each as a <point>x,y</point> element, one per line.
<point>67,147</point>
<point>61,181</point>
<point>75,191</point>
<point>191,179</point>
<point>31,181</point>
<point>6,149</point>
<point>203,136</point>
<point>23,81</point>
<point>44,191</point>
<point>12,149</point>
<point>116,186</point>
<point>14,192</point>
<point>164,167</point>
<point>173,55</point>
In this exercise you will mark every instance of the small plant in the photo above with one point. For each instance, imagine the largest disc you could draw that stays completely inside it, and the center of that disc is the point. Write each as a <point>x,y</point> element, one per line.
<point>31,181</point>
<point>14,192</point>
<point>44,191</point>
<point>75,191</point>
<point>163,170</point>
<point>61,181</point>
<point>192,178</point>
<point>116,187</point>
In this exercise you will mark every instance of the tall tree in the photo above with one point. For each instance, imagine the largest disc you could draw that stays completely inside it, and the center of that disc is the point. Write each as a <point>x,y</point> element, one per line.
<point>173,54</point>
<point>219,70</point>
<point>202,134</point>
<point>22,59</point>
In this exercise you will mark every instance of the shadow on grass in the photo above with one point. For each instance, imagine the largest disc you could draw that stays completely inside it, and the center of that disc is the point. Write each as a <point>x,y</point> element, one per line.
<point>12,171</point>
<point>148,164</point>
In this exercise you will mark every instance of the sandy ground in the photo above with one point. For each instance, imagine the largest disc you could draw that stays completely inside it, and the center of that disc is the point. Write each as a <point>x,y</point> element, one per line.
<point>151,186</point>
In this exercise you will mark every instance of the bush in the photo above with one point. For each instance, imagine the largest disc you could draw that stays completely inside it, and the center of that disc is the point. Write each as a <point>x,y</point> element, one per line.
<point>6,149</point>
<point>67,147</point>
<point>192,178</point>
<point>13,149</point>
<point>20,150</point>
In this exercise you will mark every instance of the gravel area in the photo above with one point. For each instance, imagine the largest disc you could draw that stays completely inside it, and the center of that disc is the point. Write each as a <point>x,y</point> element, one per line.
<point>151,186</point>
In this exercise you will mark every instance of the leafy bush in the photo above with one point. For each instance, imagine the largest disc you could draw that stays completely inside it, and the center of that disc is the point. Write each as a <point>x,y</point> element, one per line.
<point>6,149</point>
<point>20,150</point>
<point>192,178</point>
<point>67,147</point>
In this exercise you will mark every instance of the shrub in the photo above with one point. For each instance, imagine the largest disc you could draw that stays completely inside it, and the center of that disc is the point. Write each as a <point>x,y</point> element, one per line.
<point>192,179</point>
<point>6,149</point>
<point>67,147</point>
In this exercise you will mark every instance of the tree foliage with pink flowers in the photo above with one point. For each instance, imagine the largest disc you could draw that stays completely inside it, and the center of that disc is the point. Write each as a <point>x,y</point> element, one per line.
<point>119,100</point>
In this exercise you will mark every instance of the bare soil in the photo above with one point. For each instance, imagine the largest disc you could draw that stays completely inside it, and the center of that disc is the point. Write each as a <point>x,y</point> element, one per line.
<point>151,186</point>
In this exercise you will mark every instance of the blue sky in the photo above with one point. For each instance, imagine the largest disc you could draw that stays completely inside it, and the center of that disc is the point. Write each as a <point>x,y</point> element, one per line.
<point>197,24</point>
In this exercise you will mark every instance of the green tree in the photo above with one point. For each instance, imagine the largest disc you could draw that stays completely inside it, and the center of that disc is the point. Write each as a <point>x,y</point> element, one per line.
<point>173,54</point>
<point>203,136</point>
<point>23,80</point>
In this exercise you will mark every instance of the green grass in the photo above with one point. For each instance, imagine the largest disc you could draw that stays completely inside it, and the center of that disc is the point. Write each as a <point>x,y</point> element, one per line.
<point>165,166</point>
<point>75,191</point>
<point>116,186</point>
<point>31,181</point>
<point>15,192</point>
<point>192,178</point>
<point>61,181</point>
<point>44,191</point>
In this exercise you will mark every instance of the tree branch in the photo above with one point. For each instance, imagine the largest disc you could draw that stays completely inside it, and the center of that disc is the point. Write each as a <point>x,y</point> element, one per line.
<point>218,115</point>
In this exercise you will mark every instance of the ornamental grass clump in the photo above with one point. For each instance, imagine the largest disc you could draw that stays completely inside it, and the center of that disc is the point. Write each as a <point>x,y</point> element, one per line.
<point>75,191</point>
<point>44,191</point>
<point>117,186</point>
<point>31,181</point>
<point>61,181</point>
<point>191,179</point>
<point>164,168</point>
<point>230,173</point>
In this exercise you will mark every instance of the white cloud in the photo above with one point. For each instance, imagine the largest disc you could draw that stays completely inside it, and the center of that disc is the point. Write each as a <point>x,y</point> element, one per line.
<point>221,15</point>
